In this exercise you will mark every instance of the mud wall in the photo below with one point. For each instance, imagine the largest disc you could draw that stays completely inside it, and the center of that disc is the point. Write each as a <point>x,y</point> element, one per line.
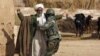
<point>6,27</point>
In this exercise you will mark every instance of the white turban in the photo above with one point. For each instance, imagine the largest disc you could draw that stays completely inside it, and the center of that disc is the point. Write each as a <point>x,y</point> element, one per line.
<point>39,6</point>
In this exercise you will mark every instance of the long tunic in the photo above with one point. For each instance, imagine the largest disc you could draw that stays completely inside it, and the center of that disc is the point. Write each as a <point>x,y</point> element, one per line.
<point>39,40</point>
<point>24,36</point>
<point>39,44</point>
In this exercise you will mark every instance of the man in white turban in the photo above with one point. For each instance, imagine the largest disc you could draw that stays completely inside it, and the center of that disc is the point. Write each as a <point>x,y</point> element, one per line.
<point>39,36</point>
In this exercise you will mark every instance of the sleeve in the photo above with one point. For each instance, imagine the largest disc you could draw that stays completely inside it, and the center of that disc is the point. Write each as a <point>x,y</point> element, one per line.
<point>20,15</point>
<point>49,24</point>
<point>33,25</point>
<point>33,20</point>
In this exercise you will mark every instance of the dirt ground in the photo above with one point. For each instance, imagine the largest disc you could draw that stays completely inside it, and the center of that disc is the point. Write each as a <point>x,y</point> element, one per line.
<point>76,47</point>
<point>79,48</point>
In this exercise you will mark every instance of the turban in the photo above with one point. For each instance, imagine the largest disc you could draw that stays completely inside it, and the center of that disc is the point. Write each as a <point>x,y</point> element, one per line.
<point>39,6</point>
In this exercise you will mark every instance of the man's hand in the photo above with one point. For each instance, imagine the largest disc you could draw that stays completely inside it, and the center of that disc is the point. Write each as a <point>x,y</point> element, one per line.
<point>18,11</point>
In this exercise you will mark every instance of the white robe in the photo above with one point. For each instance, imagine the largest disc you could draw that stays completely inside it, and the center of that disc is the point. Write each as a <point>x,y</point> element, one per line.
<point>39,40</point>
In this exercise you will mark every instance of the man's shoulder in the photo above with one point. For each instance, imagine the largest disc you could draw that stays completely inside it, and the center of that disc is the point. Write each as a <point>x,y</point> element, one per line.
<point>34,16</point>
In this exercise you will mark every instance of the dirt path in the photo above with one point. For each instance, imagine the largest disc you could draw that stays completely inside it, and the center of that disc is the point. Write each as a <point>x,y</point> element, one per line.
<point>76,47</point>
<point>79,48</point>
